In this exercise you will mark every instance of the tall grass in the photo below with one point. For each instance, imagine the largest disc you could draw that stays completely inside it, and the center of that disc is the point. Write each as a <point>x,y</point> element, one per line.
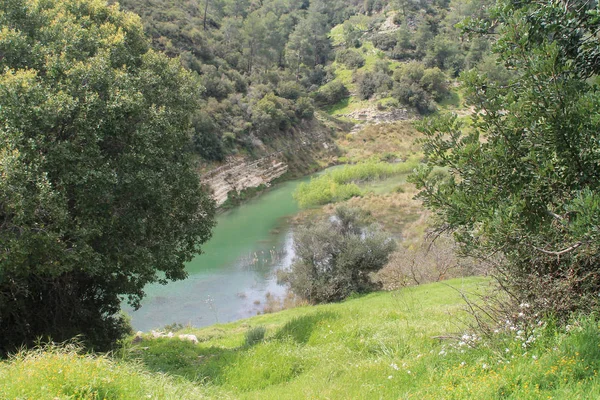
<point>62,372</point>
<point>389,345</point>
<point>342,183</point>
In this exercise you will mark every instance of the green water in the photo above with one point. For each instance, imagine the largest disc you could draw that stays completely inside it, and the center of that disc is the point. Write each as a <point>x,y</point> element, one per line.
<point>231,279</point>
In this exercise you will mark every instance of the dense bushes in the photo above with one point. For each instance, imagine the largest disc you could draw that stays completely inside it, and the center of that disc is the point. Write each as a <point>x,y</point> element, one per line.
<point>524,189</point>
<point>336,257</point>
<point>418,86</point>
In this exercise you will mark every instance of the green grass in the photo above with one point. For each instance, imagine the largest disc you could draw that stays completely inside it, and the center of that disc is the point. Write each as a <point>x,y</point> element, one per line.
<point>380,346</point>
<point>54,372</point>
<point>342,183</point>
<point>383,346</point>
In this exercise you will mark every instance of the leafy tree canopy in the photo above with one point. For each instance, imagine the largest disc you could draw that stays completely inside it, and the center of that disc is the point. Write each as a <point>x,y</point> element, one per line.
<point>524,182</point>
<point>336,257</point>
<point>98,195</point>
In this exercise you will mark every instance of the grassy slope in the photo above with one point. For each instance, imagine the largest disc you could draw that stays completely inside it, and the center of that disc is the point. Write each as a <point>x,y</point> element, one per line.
<point>378,346</point>
<point>331,351</point>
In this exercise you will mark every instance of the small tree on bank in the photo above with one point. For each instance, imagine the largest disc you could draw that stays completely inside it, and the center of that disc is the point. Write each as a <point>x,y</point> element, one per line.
<point>98,194</point>
<point>336,257</point>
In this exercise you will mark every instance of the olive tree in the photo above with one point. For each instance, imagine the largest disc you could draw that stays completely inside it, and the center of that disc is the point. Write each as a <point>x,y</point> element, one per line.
<point>98,194</point>
<point>524,183</point>
<point>337,256</point>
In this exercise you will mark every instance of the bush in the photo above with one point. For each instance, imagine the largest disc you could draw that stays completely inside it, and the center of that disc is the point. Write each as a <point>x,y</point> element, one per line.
<point>336,257</point>
<point>370,83</point>
<point>413,95</point>
<point>255,335</point>
<point>385,41</point>
<point>350,58</point>
<point>434,82</point>
<point>289,90</point>
<point>305,108</point>
<point>332,93</point>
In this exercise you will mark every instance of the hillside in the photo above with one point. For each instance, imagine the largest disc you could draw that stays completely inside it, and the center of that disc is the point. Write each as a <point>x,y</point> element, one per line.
<point>279,77</point>
<point>409,343</point>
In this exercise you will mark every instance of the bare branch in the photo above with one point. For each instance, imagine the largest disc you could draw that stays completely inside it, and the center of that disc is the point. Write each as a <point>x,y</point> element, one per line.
<point>562,252</point>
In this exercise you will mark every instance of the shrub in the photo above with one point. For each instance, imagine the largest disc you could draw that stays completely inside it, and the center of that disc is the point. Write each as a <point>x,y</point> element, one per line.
<point>370,83</point>
<point>385,41</point>
<point>350,58</point>
<point>434,82</point>
<point>332,93</point>
<point>289,90</point>
<point>305,108</point>
<point>336,257</point>
<point>413,95</point>
<point>255,335</point>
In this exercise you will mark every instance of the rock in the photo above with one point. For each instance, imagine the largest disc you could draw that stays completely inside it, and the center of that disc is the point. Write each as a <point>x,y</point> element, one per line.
<point>156,334</point>
<point>240,175</point>
<point>191,338</point>
<point>139,336</point>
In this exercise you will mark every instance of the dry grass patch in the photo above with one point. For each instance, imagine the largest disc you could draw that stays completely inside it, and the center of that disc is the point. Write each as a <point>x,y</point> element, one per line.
<point>384,141</point>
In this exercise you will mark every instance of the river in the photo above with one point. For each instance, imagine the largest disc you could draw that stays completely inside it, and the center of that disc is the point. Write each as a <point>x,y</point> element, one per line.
<point>232,278</point>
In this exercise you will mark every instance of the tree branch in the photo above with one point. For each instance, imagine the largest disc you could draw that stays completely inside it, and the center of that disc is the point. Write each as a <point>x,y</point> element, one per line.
<point>562,252</point>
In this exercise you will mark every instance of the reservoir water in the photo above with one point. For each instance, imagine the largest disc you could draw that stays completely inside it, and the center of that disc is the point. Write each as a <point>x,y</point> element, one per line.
<point>231,279</point>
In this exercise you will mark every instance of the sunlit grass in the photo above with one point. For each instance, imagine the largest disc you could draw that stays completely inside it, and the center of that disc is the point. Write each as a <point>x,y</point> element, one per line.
<point>342,183</point>
<point>385,345</point>
<point>62,372</point>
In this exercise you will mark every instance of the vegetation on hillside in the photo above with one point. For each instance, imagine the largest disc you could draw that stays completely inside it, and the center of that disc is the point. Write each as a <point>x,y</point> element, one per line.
<point>267,65</point>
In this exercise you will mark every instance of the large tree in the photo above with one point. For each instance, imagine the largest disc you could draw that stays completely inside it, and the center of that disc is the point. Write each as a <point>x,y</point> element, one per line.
<point>524,178</point>
<point>98,194</point>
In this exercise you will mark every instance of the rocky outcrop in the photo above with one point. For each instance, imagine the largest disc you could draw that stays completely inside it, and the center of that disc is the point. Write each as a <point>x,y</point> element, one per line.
<point>238,175</point>
<point>295,151</point>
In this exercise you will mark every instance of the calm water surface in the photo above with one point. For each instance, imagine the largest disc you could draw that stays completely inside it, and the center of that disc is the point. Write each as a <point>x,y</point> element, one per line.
<point>230,280</point>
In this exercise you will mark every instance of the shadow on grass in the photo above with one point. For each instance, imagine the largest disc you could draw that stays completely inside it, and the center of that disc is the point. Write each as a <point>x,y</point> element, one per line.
<point>246,366</point>
<point>338,106</point>
<point>300,329</point>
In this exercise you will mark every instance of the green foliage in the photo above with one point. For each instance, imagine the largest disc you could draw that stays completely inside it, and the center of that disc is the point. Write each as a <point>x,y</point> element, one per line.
<point>524,178</point>
<point>335,258</point>
<point>418,86</point>
<point>272,114</point>
<point>98,195</point>
<point>370,83</point>
<point>331,93</point>
<point>255,335</point>
<point>340,184</point>
<point>350,58</point>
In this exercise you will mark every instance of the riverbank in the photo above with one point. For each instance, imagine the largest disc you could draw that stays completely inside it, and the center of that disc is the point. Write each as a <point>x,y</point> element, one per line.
<point>410,343</point>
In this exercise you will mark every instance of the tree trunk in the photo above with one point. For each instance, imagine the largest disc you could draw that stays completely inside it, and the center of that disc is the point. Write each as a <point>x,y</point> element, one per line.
<point>205,12</point>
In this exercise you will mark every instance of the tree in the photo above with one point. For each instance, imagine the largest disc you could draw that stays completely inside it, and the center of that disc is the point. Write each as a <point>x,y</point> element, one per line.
<point>336,257</point>
<point>524,184</point>
<point>308,45</point>
<point>98,195</point>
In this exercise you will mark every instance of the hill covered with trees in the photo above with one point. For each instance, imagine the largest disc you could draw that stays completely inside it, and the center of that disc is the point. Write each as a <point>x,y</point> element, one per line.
<point>267,66</point>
